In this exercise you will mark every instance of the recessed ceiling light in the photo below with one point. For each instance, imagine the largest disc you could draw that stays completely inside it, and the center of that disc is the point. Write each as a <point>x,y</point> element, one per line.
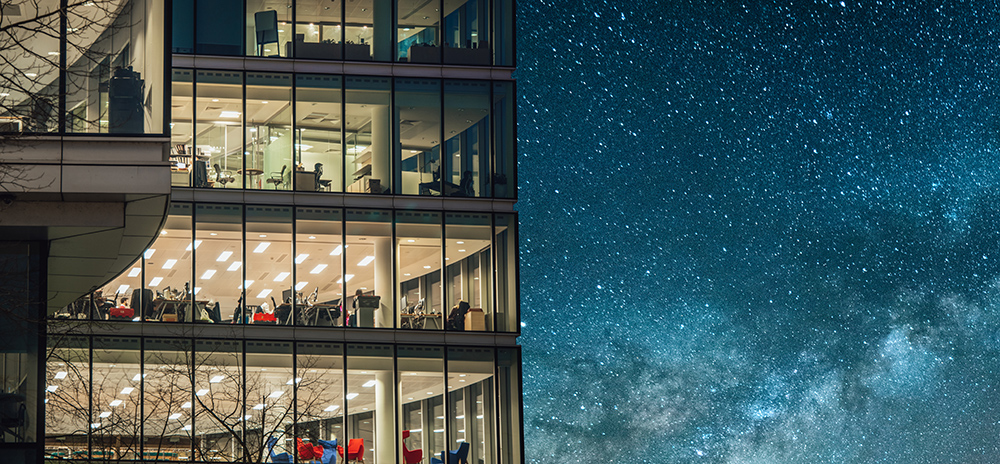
<point>156,281</point>
<point>224,256</point>
<point>299,286</point>
<point>149,253</point>
<point>351,396</point>
<point>134,272</point>
<point>208,274</point>
<point>337,251</point>
<point>282,276</point>
<point>319,268</point>
<point>169,264</point>
<point>115,403</point>
<point>197,243</point>
<point>332,407</point>
<point>216,379</point>
<point>300,258</point>
<point>276,394</point>
<point>246,283</point>
<point>234,266</point>
<point>127,390</point>
<point>202,392</point>
<point>368,260</point>
<point>264,293</point>
<point>61,375</point>
<point>263,246</point>
<point>369,384</point>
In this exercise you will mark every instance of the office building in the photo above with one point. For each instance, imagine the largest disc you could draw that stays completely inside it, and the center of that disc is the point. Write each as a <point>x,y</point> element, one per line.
<point>259,231</point>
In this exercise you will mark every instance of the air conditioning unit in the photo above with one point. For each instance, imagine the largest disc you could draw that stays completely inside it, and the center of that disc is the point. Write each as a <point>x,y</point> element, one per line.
<point>10,124</point>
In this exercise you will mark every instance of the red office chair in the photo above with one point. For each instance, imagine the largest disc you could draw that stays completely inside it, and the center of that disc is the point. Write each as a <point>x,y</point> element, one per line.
<point>355,450</point>
<point>411,457</point>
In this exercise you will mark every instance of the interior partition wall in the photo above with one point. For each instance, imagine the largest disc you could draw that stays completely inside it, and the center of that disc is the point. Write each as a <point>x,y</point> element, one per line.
<point>209,400</point>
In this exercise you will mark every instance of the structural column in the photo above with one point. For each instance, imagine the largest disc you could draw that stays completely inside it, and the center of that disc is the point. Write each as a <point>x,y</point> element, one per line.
<point>383,281</point>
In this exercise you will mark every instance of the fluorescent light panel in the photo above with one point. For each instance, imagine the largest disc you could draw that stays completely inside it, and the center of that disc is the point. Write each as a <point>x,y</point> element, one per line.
<point>300,258</point>
<point>208,274</point>
<point>156,281</point>
<point>134,272</point>
<point>263,246</point>
<point>282,276</point>
<point>224,256</point>
<point>235,266</point>
<point>169,264</point>
<point>368,260</point>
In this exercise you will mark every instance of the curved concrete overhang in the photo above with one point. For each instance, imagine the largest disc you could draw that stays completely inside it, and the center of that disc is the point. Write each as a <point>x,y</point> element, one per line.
<point>99,201</point>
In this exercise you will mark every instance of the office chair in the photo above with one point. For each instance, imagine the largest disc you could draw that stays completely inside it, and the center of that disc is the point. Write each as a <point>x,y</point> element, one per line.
<point>355,450</point>
<point>459,456</point>
<point>278,178</point>
<point>282,458</point>
<point>320,183</point>
<point>223,177</point>
<point>411,457</point>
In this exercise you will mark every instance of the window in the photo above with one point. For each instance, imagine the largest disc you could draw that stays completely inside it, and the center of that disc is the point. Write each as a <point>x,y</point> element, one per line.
<point>182,147</point>
<point>269,27</point>
<point>168,273</point>
<point>367,126</point>
<point>368,275</point>
<point>418,26</point>
<point>67,397</point>
<point>319,248</point>
<point>219,27</point>
<point>219,131</point>
<point>467,132</point>
<point>420,372</point>
<point>466,33</point>
<point>218,258</point>
<point>470,403</point>
<point>319,148</point>
<point>167,400</point>
<point>467,256</point>
<point>505,241</point>
<point>219,408</point>
<point>269,137</point>
<point>319,32</point>
<point>418,248</point>
<point>320,392</point>
<point>268,266</point>
<point>370,391</point>
<point>505,160</point>
<point>418,138</point>
<point>116,397</point>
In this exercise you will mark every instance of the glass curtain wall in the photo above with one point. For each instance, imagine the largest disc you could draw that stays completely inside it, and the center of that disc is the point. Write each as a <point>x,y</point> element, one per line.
<point>320,393</point>
<point>467,279</point>
<point>420,373</point>
<point>510,435</point>
<point>505,243</point>
<point>467,134</point>
<point>368,271</point>
<point>319,32</point>
<point>169,264</point>
<point>418,254</point>
<point>319,288</point>
<point>220,410</point>
<point>218,135</point>
<point>219,27</point>
<point>368,30</point>
<point>270,380</point>
<point>470,404</point>
<point>182,128</point>
<point>67,397</point>
<point>218,262</point>
<point>269,263</point>
<point>367,126</point>
<point>269,139</point>
<point>418,138</point>
<point>167,399</point>
<point>504,157</point>
<point>370,386</point>
<point>319,150</point>
<point>268,28</point>
<point>116,398</point>
<point>418,28</point>
<point>466,32</point>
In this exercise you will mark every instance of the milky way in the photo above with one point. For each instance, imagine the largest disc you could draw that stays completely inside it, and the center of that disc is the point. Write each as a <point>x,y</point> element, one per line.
<point>760,233</point>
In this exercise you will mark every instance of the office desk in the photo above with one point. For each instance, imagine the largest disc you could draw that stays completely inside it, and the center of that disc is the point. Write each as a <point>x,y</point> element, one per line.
<point>182,308</point>
<point>430,321</point>
<point>252,173</point>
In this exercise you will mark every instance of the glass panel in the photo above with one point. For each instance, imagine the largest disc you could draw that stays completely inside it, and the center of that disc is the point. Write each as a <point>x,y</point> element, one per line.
<point>367,135</point>
<point>183,26</point>
<point>421,380</point>
<point>168,268</point>
<point>270,380</point>
<point>368,256</point>
<point>318,30</point>
<point>29,80</point>
<point>218,400</point>
<point>418,137</point>
<point>467,132</point>
<point>269,264</point>
<point>268,27</point>
<point>370,411</point>
<point>182,131</point>
<point>116,399</point>
<point>470,403</point>
<point>505,241</point>
<point>417,29</point>
<point>23,303</point>
<point>269,131</point>
<point>466,34</point>
<point>319,149</point>
<point>467,255</point>
<point>505,160</point>
<point>219,256</point>
<point>220,27</point>
<point>368,30</point>
<point>67,397</point>
<point>509,396</point>
<point>504,32</point>
<point>418,243</point>
<point>319,288</point>
<point>167,399</point>
<point>114,302</point>
<point>320,393</point>
<point>219,127</point>
<point>114,79</point>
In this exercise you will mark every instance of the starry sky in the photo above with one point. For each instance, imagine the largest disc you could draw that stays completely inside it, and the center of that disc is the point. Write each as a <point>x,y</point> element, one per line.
<point>760,232</point>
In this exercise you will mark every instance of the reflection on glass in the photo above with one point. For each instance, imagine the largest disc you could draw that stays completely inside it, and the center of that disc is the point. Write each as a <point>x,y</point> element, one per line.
<point>219,129</point>
<point>368,277</point>
<point>320,392</point>
<point>270,381</point>
<point>219,27</point>
<point>370,413</point>
<point>269,265</point>
<point>269,131</point>
<point>466,35</point>
<point>503,23</point>
<point>116,398</point>
<point>218,402</point>
<point>167,400</point>
<point>367,30</point>
<point>421,381</point>
<point>418,251</point>
<point>319,149</point>
<point>470,403</point>
<point>367,124</point>
<point>417,27</point>
<point>218,256</point>
<point>67,397</point>
<point>268,27</point>
<point>31,79</point>
<point>467,132</point>
<point>509,397</point>
<point>505,162</point>
<point>418,137</point>
<point>182,127</point>
<point>319,288</point>
<point>468,261</point>
<point>318,30</point>
<point>168,269</point>
<point>505,241</point>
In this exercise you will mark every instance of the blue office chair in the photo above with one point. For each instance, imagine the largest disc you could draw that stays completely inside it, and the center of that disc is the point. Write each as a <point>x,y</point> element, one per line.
<point>283,458</point>
<point>329,451</point>
<point>459,456</point>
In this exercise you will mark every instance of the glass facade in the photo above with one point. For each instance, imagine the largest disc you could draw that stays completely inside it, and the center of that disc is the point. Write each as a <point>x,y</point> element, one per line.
<point>223,400</point>
<point>277,265</point>
<point>92,67</point>
<point>456,32</point>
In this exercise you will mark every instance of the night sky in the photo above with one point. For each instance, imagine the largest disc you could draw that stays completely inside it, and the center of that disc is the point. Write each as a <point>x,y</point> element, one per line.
<point>760,233</point>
